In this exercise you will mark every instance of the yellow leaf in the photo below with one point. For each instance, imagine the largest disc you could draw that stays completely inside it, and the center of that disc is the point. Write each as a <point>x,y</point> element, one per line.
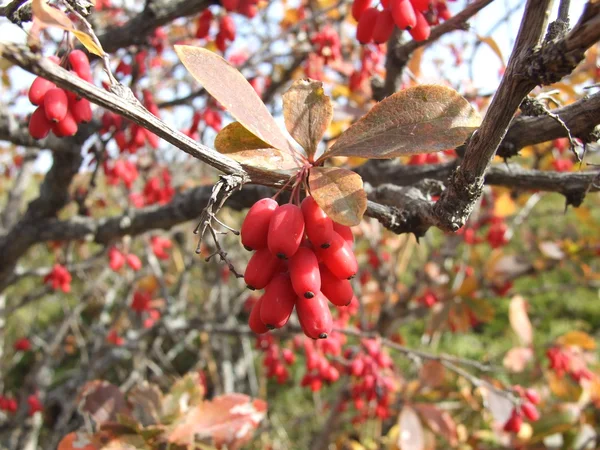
<point>504,205</point>
<point>494,46</point>
<point>563,388</point>
<point>47,16</point>
<point>578,339</point>
<point>468,286</point>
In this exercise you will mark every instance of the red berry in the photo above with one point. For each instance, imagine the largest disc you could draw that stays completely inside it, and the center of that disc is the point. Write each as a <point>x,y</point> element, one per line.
<point>66,127</point>
<point>421,30</point>
<point>38,90</point>
<point>366,25</point>
<point>261,268</point>
<point>227,28</point>
<point>319,227</point>
<point>532,396</point>
<point>304,273</point>
<point>254,321</point>
<point>420,5</point>
<point>339,292</point>
<point>530,411</point>
<point>341,260</point>
<point>204,22</point>
<point>247,9</point>
<point>345,232</point>
<point>81,110</point>
<point>315,317</point>
<point>81,64</point>
<point>256,224</point>
<point>359,7</point>
<point>56,104</point>
<point>514,422</point>
<point>278,301</point>
<point>286,231</point>
<point>39,125</point>
<point>384,27</point>
<point>404,14</point>
<point>230,5</point>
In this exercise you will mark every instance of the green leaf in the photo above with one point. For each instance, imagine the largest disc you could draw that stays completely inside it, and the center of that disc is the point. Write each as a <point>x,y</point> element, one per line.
<point>226,84</point>
<point>239,144</point>
<point>339,192</point>
<point>308,113</point>
<point>422,119</point>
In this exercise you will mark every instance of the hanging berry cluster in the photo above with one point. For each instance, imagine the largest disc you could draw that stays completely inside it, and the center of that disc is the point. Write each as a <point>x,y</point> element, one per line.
<point>302,259</point>
<point>415,16</point>
<point>58,110</point>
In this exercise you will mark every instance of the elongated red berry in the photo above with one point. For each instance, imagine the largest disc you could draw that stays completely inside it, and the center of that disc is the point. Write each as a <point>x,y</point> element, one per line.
<point>254,321</point>
<point>66,127</point>
<point>39,125</point>
<point>532,396</point>
<point>403,14</point>
<point>304,273</point>
<point>256,224</point>
<point>366,25</point>
<point>204,22</point>
<point>315,317</point>
<point>421,30</point>
<point>38,90</point>
<point>81,110</point>
<point>339,292</point>
<point>420,5</point>
<point>278,301</point>
<point>318,226</point>
<point>514,422</point>
<point>341,261</point>
<point>359,7</point>
<point>384,27</point>
<point>230,5</point>
<point>286,231</point>
<point>345,232</point>
<point>80,64</point>
<point>227,28</point>
<point>56,104</point>
<point>261,268</point>
<point>530,411</point>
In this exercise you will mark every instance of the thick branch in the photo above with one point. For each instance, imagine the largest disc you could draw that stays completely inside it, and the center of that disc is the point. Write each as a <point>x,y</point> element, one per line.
<point>581,117</point>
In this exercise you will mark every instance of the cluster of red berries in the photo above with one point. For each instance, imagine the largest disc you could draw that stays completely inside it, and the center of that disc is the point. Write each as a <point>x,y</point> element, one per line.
<point>302,258</point>
<point>377,26</point>
<point>497,235</point>
<point>59,278</point>
<point>8,404</point>
<point>568,361</point>
<point>277,359</point>
<point>373,383</point>
<point>227,29</point>
<point>327,44</point>
<point>58,110</point>
<point>526,409</point>
<point>118,259</point>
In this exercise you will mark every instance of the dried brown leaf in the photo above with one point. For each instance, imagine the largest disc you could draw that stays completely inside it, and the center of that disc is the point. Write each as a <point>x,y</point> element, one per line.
<point>307,112</point>
<point>422,119</point>
<point>102,400</point>
<point>146,402</point>
<point>226,84</point>
<point>340,193</point>
<point>439,421</point>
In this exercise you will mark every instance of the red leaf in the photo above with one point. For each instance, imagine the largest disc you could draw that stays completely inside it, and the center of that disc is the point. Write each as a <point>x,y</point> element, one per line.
<point>229,420</point>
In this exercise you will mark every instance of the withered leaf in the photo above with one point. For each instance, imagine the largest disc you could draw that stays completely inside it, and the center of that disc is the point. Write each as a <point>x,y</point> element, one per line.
<point>339,192</point>
<point>411,436</point>
<point>422,119</point>
<point>307,112</point>
<point>227,85</point>
<point>102,400</point>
